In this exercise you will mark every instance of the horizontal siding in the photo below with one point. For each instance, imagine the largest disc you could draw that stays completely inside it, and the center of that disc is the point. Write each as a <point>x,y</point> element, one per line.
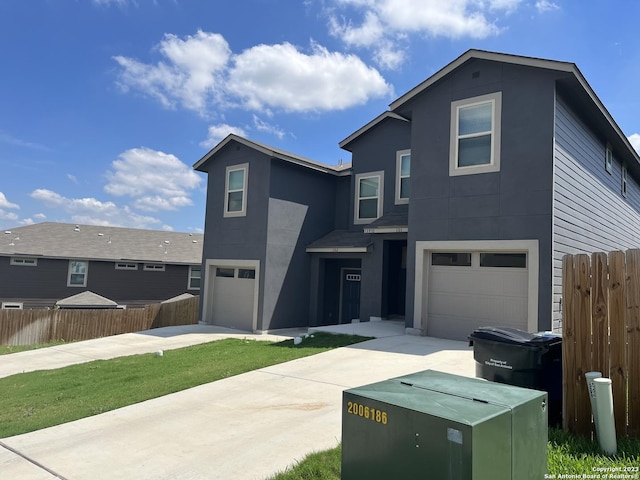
<point>590,214</point>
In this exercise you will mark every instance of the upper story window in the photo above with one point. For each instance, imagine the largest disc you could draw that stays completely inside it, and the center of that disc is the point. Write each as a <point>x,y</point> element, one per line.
<point>24,261</point>
<point>369,199</point>
<point>78,270</point>
<point>475,135</point>
<point>235,191</point>
<point>194,278</point>
<point>126,266</point>
<point>623,184</point>
<point>403,176</point>
<point>154,267</point>
<point>608,158</point>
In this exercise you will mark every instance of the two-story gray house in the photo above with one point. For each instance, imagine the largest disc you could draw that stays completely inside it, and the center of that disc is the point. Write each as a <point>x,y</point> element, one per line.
<point>455,211</point>
<point>44,264</point>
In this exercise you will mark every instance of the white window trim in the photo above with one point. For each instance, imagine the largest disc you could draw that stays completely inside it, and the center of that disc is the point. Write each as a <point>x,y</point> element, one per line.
<point>189,287</point>
<point>399,154</point>
<point>12,306</point>
<point>422,265</point>
<point>624,184</point>
<point>86,274</point>
<point>608,159</point>
<point>229,169</point>
<point>126,266</point>
<point>496,126</point>
<point>24,261</point>
<point>356,208</point>
<point>154,267</point>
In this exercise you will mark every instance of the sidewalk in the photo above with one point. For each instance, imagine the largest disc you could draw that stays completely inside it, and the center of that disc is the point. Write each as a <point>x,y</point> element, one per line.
<point>245,427</point>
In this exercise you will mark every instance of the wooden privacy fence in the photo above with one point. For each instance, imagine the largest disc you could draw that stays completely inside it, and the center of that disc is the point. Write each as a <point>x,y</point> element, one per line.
<point>601,332</point>
<point>27,327</point>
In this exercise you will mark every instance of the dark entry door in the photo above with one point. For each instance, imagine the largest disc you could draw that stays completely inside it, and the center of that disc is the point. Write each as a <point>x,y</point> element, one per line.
<point>350,295</point>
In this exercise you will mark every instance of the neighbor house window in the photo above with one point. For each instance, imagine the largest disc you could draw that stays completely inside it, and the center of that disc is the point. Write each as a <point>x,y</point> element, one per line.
<point>194,278</point>
<point>403,175</point>
<point>24,261</point>
<point>368,205</point>
<point>78,270</point>
<point>623,186</point>
<point>475,135</point>
<point>154,267</point>
<point>235,191</point>
<point>608,159</point>
<point>126,266</point>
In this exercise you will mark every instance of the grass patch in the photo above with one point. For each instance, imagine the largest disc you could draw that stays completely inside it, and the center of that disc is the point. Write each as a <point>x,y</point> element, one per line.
<point>8,349</point>
<point>568,455</point>
<point>35,400</point>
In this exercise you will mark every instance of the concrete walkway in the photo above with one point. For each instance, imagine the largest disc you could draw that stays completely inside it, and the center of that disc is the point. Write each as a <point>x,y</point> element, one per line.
<point>245,427</point>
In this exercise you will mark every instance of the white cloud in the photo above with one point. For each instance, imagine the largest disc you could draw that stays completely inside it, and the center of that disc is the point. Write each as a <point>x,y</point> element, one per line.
<point>156,180</point>
<point>200,72</point>
<point>546,6</point>
<point>118,3</point>
<point>4,215</point>
<point>190,75</point>
<point>73,178</point>
<point>11,140</point>
<point>383,22</point>
<point>216,133</point>
<point>4,203</point>
<point>635,141</point>
<point>263,126</point>
<point>90,211</point>
<point>280,76</point>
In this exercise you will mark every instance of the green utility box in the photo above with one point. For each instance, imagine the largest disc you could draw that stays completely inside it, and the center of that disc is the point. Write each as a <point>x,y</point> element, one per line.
<point>435,425</point>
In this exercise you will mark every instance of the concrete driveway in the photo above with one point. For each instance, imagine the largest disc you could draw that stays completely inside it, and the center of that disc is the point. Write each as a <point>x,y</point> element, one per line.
<point>245,427</point>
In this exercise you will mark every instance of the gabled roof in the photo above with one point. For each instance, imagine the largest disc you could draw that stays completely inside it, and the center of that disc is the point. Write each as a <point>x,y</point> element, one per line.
<point>575,85</point>
<point>91,242</point>
<point>379,119</point>
<point>274,153</point>
<point>86,299</point>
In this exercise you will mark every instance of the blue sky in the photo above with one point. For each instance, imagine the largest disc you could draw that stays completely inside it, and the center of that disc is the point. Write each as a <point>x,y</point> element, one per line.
<point>105,105</point>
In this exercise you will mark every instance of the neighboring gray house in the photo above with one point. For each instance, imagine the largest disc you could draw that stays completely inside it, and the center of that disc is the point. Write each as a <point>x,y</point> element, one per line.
<point>47,262</point>
<point>455,212</point>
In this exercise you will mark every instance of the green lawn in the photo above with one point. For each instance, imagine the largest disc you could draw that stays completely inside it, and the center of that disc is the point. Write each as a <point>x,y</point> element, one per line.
<point>567,455</point>
<point>7,349</point>
<point>35,400</point>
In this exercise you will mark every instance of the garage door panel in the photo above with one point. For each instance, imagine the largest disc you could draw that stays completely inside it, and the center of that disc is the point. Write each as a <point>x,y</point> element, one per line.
<point>460,299</point>
<point>233,301</point>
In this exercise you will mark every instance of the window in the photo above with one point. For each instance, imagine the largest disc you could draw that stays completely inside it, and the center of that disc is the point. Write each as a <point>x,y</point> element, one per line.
<point>451,259</point>
<point>608,159</point>
<point>225,272</point>
<point>11,306</point>
<point>126,266</point>
<point>503,260</point>
<point>623,186</point>
<point>246,273</point>
<point>194,278</point>
<point>24,261</point>
<point>235,191</point>
<point>77,273</point>
<point>403,175</point>
<point>475,135</point>
<point>368,197</point>
<point>154,267</point>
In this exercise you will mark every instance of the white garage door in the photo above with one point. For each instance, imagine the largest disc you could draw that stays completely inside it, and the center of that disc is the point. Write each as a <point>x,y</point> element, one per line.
<point>232,297</point>
<point>467,290</point>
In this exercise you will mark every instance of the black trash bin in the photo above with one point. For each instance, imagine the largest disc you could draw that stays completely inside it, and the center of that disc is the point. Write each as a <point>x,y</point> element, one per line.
<point>523,359</point>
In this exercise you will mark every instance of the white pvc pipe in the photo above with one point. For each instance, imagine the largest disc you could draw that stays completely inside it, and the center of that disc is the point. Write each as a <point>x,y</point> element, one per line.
<point>589,377</point>
<point>605,426</point>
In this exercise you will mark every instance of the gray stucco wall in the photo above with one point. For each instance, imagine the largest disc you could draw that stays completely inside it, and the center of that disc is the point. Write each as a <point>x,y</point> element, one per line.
<point>237,237</point>
<point>590,213</point>
<point>512,204</point>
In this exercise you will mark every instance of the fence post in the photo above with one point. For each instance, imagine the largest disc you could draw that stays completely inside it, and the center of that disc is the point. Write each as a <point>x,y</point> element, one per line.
<point>568,344</point>
<point>618,338</point>
<point>600,313</point>
<point>583,342</point>
<point>633,340</point>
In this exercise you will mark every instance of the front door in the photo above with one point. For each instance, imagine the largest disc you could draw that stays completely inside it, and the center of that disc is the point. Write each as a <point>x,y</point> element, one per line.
<point>349,295</point>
